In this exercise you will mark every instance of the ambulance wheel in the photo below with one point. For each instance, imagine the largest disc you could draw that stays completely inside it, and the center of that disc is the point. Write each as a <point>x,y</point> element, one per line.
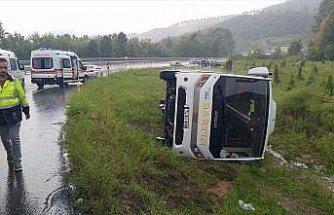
<point>40,86</point>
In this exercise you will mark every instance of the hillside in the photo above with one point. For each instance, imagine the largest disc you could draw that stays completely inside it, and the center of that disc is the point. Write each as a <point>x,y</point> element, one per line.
<point>249,28</point>
<point>180,28</point>
<point>292,19</point>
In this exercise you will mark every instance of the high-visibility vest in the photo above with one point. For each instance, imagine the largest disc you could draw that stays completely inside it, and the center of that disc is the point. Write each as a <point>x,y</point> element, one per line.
<point>12,94</point>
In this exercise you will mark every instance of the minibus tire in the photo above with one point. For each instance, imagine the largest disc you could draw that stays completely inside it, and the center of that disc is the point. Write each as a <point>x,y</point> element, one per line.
<point>40,86</point>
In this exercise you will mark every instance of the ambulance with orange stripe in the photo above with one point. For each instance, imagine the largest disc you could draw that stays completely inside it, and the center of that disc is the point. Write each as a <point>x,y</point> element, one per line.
<point>56,67</point>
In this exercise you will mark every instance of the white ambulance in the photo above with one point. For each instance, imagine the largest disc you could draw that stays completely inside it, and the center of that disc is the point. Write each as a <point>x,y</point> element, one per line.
<point>56,67</point>
<point>14,67</point>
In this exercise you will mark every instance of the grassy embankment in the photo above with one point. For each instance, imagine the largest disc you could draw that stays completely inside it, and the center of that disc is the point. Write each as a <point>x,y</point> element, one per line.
<point>118,167</point>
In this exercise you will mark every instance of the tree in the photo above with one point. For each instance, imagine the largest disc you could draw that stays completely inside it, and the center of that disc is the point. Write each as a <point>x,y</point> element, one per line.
<point>283,63</point>
<point>18,44</point>
<point>217,42</point>
<point>222,42</point>
<point>310,78</point>
<point>315,69</point>
<point>48,41</point>
<point>121,45</point>
<point>277,53</point>
<point>291,83</point>
<point>133,47</point>
<point>258,54</point>
<point>92,49</point>
<point>3,34</point>
<point>300,73</point>
<point>168,45</point>
<point>313,52</point>
<point>105,46</point>
<point>276,75</point>
<point>295,47</point>
<point>326,7</point>
<point>330,86</point>
<point>323,46</point>
<point>324,39</point>
<point>270,64</point>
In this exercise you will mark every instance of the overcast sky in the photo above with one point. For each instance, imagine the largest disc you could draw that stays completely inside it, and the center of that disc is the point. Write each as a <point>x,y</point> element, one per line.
<point>104,17</point>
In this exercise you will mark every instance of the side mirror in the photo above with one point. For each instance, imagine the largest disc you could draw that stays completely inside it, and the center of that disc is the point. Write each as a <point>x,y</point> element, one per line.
<point>21,67</point>
<point>85,67</point>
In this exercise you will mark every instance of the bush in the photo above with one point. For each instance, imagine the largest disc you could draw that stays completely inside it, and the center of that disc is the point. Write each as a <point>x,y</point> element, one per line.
<point>276,75</point>
<point>295,104</point>
<point>310,78</point>
<point>300,73</point>
<point>291,83</point>
<point>283,63</point>
<point>315,69</point>
<point>330,86</point>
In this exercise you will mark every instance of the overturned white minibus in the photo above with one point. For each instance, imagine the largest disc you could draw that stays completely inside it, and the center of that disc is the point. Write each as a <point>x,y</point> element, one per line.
<point>218,116</point>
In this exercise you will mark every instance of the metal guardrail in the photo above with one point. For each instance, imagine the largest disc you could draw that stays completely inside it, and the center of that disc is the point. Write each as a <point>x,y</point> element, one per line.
<point>124,60</point>
<point>134,60</point>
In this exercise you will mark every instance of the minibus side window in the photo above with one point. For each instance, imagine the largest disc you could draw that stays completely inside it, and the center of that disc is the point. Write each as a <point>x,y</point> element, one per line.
<point>66,63</point>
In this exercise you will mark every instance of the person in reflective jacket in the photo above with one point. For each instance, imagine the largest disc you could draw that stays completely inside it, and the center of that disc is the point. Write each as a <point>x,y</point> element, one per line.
<point>12,103</point>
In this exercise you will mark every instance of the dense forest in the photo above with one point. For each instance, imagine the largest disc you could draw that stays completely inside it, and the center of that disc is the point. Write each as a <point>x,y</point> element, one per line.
<point>215,43</point>
<point>291,19</point>
<point>322,46</point>
<point>249,28</point>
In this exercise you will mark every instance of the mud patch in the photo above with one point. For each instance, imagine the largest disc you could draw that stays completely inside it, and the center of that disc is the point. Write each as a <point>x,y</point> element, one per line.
<point>220,170</point>
<point>144,127</point>
<point>295,207</point>
<point>221,188</point>
<point>177,192</point>
<point>133,203</point>
<point>328,182</point>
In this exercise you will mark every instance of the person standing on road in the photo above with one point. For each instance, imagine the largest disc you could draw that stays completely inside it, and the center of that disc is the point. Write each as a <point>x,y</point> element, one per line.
<point>12,103</point>
<point>108,67</point>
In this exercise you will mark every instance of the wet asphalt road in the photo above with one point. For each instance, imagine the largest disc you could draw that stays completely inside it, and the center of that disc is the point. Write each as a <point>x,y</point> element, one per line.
<point>38,189</point>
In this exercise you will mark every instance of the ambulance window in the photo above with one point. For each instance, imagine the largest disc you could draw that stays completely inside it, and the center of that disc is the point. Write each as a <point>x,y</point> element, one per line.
<point>13,64</point>
<point>42,63</point>
<point>66,63</point>
<point>81,66</point>
<point>21,67</point>
<point>48,63</point>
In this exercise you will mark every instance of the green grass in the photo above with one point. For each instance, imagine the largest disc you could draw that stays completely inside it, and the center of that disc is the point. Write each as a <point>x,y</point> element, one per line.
<point>118,168</point>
